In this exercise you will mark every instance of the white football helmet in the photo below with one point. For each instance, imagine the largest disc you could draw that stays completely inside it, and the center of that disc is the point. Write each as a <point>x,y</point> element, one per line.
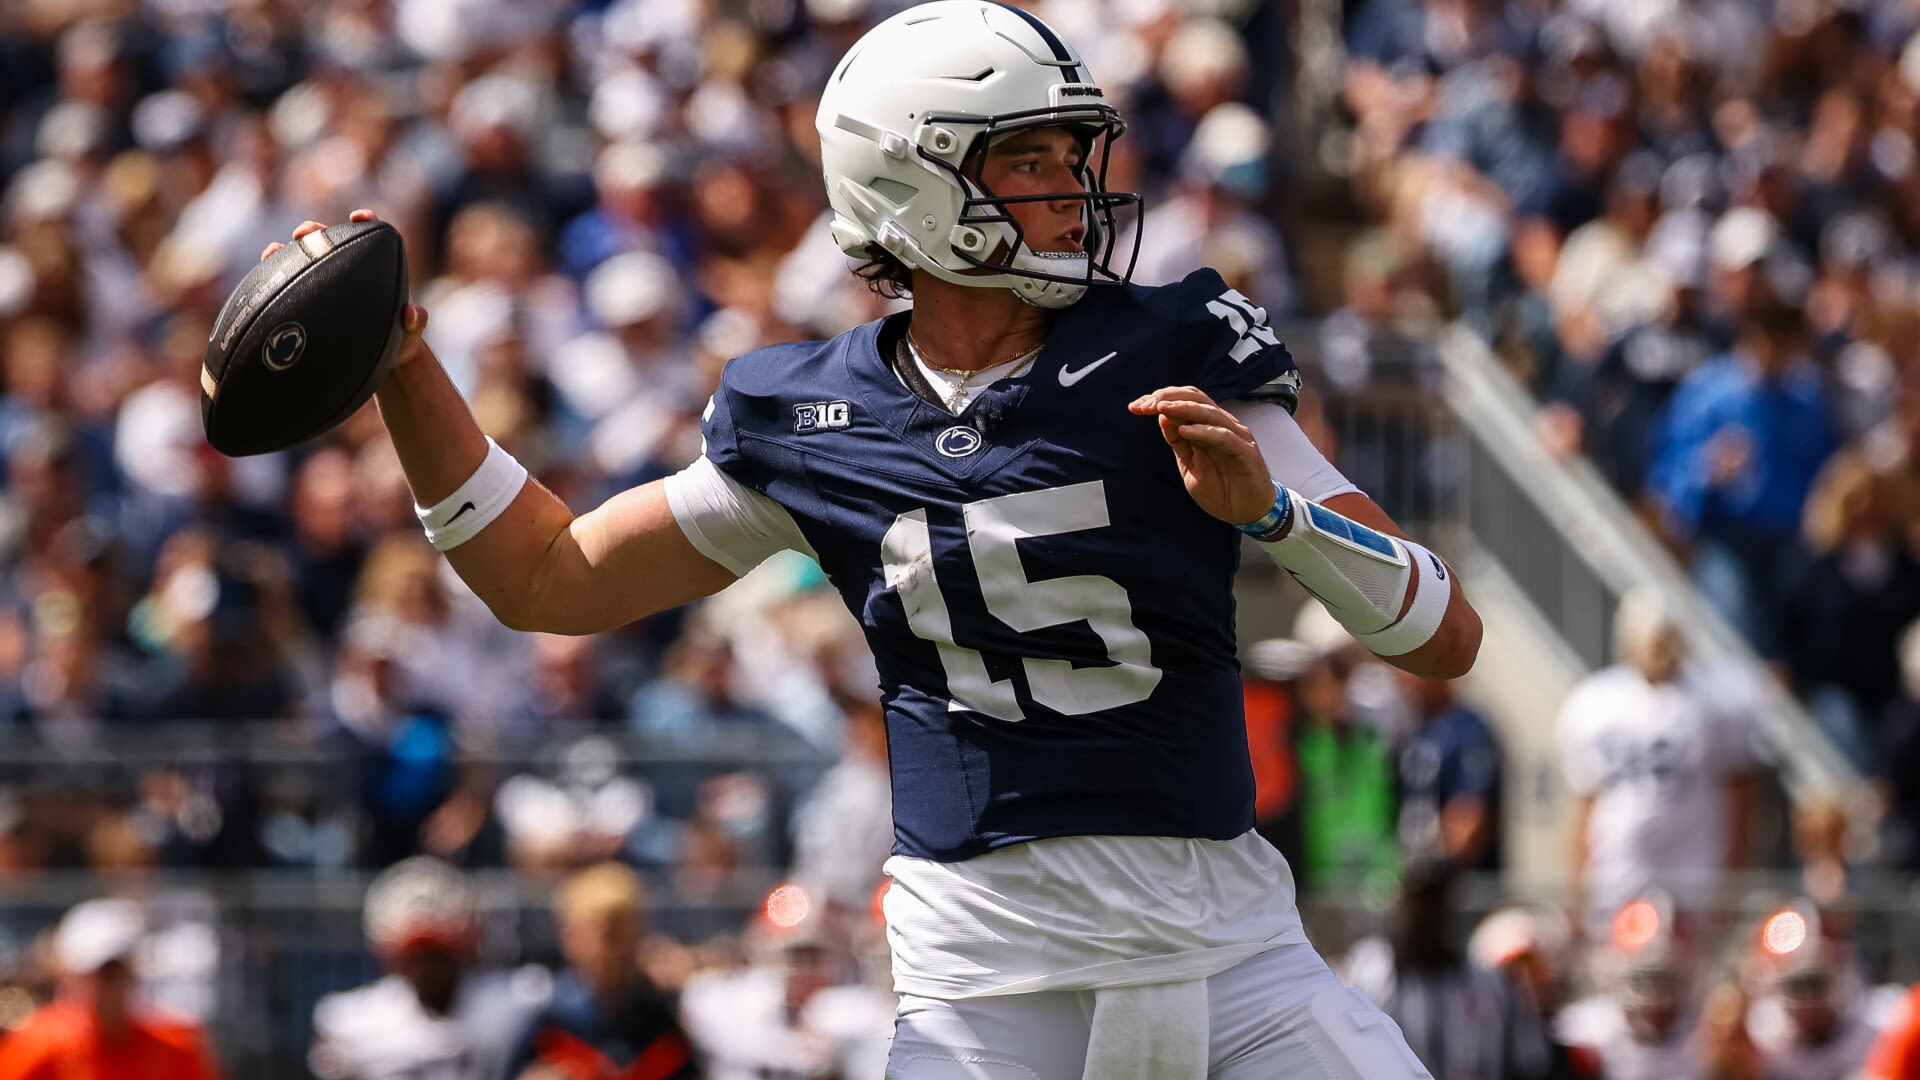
<point>901,120</point>
<point>420,898</point>
<point>1647,964</point>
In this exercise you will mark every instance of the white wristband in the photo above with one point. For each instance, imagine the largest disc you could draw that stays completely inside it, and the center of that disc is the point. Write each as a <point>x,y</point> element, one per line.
<point>1430,598</point>
<point>475,504</point>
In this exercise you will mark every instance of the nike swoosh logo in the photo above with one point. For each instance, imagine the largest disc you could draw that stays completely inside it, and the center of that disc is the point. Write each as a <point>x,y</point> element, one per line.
<point>464,507</point>
<point>1068,377</point>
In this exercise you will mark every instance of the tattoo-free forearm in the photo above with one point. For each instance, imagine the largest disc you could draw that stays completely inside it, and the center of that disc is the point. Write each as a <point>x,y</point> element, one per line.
<point>440,445</point>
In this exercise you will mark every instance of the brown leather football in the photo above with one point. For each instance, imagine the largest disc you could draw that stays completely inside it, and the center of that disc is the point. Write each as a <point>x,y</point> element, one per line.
<point>305,339</point>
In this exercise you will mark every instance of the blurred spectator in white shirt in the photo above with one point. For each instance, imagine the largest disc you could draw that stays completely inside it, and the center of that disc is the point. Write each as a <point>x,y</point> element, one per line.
<point>631,381</point>
<point>457,655</point>
<point>798,1008</point>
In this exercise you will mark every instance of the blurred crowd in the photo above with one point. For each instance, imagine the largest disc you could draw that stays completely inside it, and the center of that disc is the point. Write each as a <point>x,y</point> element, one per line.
<point>1691,226</point>
<point>603,202</point>
<point>803,992</point>
<point>209,663</point>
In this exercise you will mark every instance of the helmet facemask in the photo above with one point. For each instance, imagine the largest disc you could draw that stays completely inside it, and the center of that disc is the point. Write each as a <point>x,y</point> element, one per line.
<point>987,235</point>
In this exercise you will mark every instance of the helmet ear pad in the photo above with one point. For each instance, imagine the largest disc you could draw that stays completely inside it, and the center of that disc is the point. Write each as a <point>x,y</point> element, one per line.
<point>876,226</point>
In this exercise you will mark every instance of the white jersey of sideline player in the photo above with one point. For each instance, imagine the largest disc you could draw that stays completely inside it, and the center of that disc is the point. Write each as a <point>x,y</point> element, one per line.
<point>1655,759</point>
<point>738,1020</point>
<point>381,1032</point>
<point>1600,1025</point>
<point>1839,1058</point>
<point>1020,919</point>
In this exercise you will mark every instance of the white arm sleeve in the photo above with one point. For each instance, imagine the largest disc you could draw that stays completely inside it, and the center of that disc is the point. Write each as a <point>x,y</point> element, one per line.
<point>729,522</point>
<point>1295,463</point>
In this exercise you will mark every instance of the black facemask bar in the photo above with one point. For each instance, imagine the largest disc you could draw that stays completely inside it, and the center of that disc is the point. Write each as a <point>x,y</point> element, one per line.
<point>1100,209</point>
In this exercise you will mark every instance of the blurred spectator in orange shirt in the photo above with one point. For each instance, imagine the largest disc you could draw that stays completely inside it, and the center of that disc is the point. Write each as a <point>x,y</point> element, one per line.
<point>94,1030</point>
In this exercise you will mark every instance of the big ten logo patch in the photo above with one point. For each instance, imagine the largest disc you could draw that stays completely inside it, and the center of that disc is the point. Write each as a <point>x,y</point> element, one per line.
<point>816,416</point>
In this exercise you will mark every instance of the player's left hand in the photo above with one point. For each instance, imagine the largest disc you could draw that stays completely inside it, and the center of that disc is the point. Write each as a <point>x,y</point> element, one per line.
<point>1219,460</point>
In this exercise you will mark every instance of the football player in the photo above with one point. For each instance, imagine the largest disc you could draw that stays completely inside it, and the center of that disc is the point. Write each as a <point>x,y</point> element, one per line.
<point>1656,750</point>
<point>1033,489</point>
<point>433,1015</point>
<point>1533,948</point>
<point>1810,1018</point>
<point>797,1010</point>
<point>1642,1023</point>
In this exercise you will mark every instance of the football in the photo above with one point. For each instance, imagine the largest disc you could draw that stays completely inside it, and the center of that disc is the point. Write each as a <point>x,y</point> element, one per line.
<point>305,339</point>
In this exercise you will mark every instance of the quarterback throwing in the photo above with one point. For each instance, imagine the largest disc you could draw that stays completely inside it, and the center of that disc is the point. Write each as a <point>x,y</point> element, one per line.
<point>1033,489</point>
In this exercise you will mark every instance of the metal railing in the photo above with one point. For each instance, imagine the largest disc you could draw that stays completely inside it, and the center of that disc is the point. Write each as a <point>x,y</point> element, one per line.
<point>1879,912</point>
<point>270,945</point>
<point>1576,547</point>
<point>251,949</point>
<point>1442,437</point>
<point>284,941</point>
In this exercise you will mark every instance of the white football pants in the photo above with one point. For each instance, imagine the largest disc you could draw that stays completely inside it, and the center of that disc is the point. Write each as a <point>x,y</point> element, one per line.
<point>1278,1016</point>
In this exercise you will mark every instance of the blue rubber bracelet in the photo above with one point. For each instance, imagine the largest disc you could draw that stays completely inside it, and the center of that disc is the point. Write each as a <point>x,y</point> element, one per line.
<point>1275,521</point>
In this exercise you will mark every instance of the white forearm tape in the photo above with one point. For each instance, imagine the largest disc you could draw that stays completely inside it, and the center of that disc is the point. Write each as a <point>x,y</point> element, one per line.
<point>1361,577</point>
<point>475,504</point>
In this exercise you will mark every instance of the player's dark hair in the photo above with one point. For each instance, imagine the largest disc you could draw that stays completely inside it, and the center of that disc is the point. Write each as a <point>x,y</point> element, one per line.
<point>885,275</point>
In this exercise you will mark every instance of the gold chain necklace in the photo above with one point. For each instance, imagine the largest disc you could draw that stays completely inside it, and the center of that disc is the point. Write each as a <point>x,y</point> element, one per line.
<point>965,374</point>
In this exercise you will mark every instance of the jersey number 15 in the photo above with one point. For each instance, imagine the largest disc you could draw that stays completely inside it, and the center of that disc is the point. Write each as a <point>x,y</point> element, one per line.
<point>994,526</point>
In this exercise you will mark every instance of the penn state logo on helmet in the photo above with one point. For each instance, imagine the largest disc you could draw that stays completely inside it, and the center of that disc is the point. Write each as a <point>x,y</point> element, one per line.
<point>284,346</point>
<point>957,441</point>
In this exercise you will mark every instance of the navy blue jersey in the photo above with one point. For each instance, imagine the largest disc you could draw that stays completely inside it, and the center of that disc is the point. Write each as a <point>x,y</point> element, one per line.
<point>1050,612</point>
